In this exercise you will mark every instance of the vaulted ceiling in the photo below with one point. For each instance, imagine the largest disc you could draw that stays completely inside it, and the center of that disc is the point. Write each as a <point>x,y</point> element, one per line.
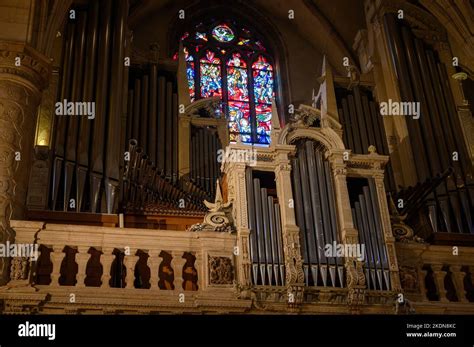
<point>329,26</point>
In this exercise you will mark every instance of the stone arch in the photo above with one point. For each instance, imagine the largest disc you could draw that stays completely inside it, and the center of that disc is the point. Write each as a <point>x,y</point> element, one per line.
<point>326,136</point>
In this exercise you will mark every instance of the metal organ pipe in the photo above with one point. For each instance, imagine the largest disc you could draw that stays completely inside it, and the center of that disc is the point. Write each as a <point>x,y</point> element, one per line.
<point>60,133</point>
<point>144,117</point>
<point>266,232</point>
<point>88,96</point>
<point>161,123</point>
<point>319,207</point>
<point>397,50</point>
<point>97,159</point>
<point>252,225</point>
<point>281,260</point>
<point>113,158</point>
<point>300,218</point>
<point>169,129</point>
<point>152,123</point>
<point>314,245</point>
<point>260,231</point>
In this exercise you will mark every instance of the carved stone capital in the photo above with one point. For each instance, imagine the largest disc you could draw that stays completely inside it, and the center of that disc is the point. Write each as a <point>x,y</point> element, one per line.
<point>24,63</point>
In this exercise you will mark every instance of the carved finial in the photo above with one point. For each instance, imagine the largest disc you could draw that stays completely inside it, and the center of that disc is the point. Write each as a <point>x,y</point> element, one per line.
<point>372,149</point>
<point>218,204</point>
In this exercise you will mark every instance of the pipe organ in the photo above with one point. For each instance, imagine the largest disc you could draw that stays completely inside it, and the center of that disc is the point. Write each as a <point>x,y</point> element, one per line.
<point>266,247</point>
<point>86,164</point>
<point>204,164</point>
<point>366,218</point>
<point>436,137</point>
<point>315,211</point>
<point>128,150</point>
<point>152,117</point>
<point>363,125</point>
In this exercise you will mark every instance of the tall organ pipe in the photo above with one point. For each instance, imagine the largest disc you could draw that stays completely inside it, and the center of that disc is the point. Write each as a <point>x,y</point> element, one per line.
<point>144,114</point>
<point>76,94</point>
<point>260,231</point>
<point>397,48</point>
<point>97,160</point>
<point>252,225</point>
<point>361,118</point>
<point>152,124</point>
<point>267,233</point>
<point>273,234</point>
<point>281,259</point>
<point>174,126</point>
<point>300,218</point>
<point>137,96</point>
<point>313,243</point>
<point>113,158</point>
<point>88,96</point>
<point>161,123</point>
<point>427,133</point>
<point>60,136</point>
<point>169,129</point>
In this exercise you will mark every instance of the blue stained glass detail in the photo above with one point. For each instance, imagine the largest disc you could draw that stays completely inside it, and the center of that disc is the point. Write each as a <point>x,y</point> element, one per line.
<point>263,86</point>
<point>210,80</point>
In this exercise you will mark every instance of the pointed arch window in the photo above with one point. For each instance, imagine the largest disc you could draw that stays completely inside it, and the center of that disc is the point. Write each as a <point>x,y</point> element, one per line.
<point>231,62</point>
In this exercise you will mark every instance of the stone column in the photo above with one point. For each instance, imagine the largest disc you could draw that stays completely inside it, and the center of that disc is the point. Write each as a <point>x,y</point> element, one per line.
<point>387,231</point>
<point>23,75</point>
<point>355,278</point>
<point>237,193</point>
<point>290,231</point>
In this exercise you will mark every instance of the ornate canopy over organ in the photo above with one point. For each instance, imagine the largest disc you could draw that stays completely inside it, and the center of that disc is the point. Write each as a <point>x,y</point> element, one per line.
<point>206,168</point>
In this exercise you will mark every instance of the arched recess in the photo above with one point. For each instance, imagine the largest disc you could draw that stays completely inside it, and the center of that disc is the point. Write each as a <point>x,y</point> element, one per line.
<point>326,136</point>
<point>247,15</point>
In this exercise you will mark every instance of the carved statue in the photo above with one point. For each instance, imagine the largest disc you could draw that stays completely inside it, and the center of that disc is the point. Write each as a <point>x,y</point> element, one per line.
<point>219,217</point>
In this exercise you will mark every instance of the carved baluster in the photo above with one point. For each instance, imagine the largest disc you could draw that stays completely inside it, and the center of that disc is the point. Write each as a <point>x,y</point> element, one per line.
<point>106,260</point>
<point>421,282</point>
<point>82,257</point>
<point>57,256</point>
<point>458,280</point>
<point>439,276</point>
<point>153,263</point>
<point>177,263</point>
<point>130,261</point>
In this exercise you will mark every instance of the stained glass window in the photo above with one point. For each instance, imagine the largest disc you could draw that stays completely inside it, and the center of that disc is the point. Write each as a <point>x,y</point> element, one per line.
<point>223,33</point>
<point>230,62</point>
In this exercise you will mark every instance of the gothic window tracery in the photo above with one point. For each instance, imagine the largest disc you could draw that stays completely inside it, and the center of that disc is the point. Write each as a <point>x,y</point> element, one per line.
<point>230,62</point>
